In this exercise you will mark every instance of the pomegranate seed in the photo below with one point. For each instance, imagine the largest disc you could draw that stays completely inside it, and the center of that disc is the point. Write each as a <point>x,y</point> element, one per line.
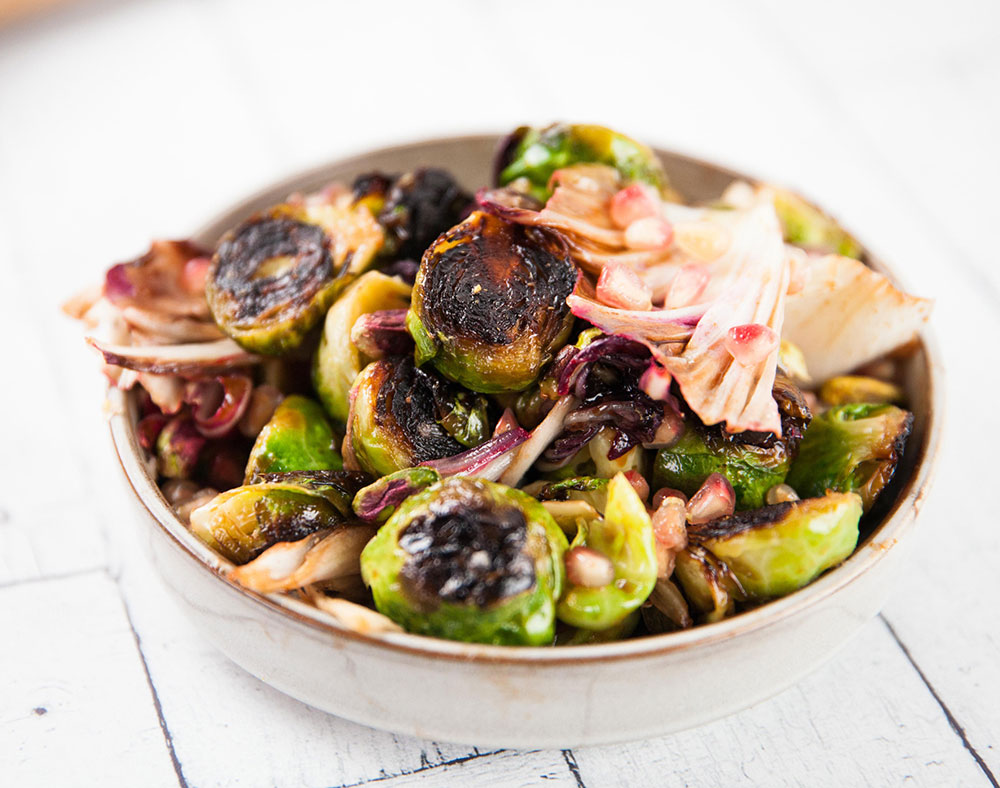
<point>633,202</point>
<point>670,529</point>
<point>751,343</point>
<point>639,484</point>
<point>620,286</point>
<point>781,493</point>
<point>667,492</point>
<point>688,286</point>
<point>588,568</point>
<point>655,382</point>
<point>669,431</point>
<point>653,232</point>
<point>714,499</point>
<point>194,274</point>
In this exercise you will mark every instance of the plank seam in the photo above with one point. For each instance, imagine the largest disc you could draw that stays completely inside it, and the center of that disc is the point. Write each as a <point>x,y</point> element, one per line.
<point>574,768</point>
<point>955,726</point>
<point>168,738</point>
<point>421,769</point>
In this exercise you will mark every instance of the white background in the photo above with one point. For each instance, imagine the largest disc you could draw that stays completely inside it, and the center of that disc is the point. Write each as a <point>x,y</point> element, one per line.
<point>126,119</point>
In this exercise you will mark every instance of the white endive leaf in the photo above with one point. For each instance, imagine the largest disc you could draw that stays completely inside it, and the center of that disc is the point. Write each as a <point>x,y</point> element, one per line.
<point>847,315</point>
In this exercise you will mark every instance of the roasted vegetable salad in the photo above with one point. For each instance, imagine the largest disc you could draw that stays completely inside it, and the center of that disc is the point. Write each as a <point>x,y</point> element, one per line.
<point>569,409</point>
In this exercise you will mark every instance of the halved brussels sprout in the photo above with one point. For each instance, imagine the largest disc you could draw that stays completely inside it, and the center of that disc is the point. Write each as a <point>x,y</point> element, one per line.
<point>419,206</point>
<point>337,361</point>
<point>807,226</point>
<point>529,156</point>
<point>709,585</point>
<point>780,548</point>
<point>752,470</point>
<point>752,462</point>
<point>402,416</point>
<point>243,522</point>
<point>297,438</point>
<point>847,389</point>
<point>851,448</point>
<point>469,560</point>
<point>273,277</point>
<point>489,304</point>
<point>625,536</point>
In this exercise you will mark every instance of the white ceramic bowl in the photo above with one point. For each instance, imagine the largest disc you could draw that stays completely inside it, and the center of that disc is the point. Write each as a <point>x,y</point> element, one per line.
<point>529,697</point>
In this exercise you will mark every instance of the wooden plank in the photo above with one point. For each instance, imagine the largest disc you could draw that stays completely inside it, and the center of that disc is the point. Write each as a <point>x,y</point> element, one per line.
<point>503,768</point>
<point>75,706</point>
<point>863,719</point>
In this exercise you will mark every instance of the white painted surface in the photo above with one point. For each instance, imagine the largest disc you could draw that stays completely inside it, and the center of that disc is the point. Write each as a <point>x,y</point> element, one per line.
<point>121,120</point>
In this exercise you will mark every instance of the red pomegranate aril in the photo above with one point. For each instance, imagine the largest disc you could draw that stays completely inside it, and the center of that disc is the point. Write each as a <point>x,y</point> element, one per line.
<point>751,343</point>
<point>714,499</point>
<point>588,568</point>
<point>620,286</point>
<point>195,274</point>
<point>639,484</point>
<point>653,232</point>
<point>667,492</point>
<point>655,382</point>
<point>688,286</point>
<point>632,203</point>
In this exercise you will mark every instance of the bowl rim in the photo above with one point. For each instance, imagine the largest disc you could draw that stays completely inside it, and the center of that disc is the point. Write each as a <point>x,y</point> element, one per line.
<point>885,537</point>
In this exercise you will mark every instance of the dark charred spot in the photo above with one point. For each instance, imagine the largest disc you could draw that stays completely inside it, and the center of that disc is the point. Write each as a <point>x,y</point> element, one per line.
<point>408,397</point>
<point>287,516</point>
<point>739,522</point>
<point>371,184</point>
<point>467,552</point>
<point>419,207</point>
<point>494,281</point>
<point>239,257</point>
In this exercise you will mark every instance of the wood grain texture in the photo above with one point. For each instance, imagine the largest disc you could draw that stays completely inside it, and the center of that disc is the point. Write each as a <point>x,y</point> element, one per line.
<point>75,706</point>
<point>141,119</point>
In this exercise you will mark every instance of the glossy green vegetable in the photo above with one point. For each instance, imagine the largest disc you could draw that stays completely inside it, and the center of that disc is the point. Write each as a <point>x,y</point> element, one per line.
<point>807,226</point>
<point>709,585</point>
<point>402,416</point>
<point>273,277</point>
<point>851,448</point>
<point>589,489</point>
<point>337,361</point>
<point>752,470</point>
<point>489,303</point>
<point>532,155</point>
<point>624,535</point>
<point>847,389</point>
<point>297,438</point>
<point>243,522</point>
<point>469,560</point>
<point>377,501</point>
<point>780,548</point>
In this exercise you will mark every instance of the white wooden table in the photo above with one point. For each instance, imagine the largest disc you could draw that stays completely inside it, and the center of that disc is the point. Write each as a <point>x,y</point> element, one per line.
<point>121,120</point>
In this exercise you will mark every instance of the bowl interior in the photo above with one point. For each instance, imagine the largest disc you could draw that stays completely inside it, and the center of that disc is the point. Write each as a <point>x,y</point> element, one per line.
<point>469,159</point>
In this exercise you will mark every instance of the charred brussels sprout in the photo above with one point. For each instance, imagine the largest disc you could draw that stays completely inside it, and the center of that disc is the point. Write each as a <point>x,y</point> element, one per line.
<point>534,154</point>
<point>420,206</point>
<point>807,226</point>
<point>273,277</point>
<point>846,389</point>
<point>625,536</point>
<point>297,438</point>
<point>469,560</point>
<point>777,549</point>
<point>402,416</point>
<point>338,361</point>
<point>851,448</point>
<point>752,462</point>
<point>243,522</point>
<point>489,304</point>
